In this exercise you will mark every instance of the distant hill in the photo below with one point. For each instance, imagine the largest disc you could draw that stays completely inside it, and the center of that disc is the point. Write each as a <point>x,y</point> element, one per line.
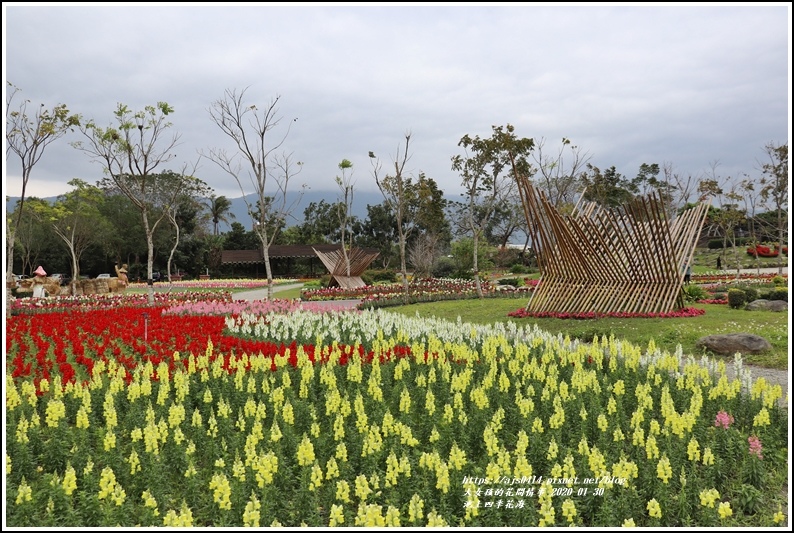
<point>360,202</point>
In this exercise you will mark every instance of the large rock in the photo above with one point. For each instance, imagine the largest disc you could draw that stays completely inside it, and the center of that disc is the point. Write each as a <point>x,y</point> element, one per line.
<point>767,305</point>
<point>729,344</point>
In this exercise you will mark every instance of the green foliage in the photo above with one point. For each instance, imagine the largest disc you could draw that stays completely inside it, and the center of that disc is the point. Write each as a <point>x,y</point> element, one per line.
<point>519,269</point>
<point>444,267</point>
<point>463,255</point>
<point>385,274</point>
<point>778,293</point>
<point>718,244</point>
<point>515,282</point>
<point>779,280</point>
<point>748,499</point>
<point>750,293</point>
<point>736,298</point>
<point>693,293</point>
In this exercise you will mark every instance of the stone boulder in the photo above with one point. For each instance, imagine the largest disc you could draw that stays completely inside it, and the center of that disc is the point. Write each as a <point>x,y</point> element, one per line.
<point>767,305</point>
<point>731,343</point>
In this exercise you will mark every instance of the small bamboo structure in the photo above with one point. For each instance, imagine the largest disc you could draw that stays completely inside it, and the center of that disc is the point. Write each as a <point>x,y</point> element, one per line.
<point>334,261</point>
<point>625,260</point>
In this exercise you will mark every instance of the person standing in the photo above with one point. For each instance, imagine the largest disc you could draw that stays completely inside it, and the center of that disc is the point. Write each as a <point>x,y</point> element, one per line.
<point>719,262</point>
<point>688,274</point>
<point>38,283</point>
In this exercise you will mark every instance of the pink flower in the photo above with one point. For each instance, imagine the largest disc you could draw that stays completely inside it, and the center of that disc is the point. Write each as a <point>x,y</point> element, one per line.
<point>723,420</point>
<point>755,446</point>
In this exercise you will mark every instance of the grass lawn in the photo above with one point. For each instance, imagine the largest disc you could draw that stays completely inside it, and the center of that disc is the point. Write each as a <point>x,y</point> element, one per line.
<point>666,332</point>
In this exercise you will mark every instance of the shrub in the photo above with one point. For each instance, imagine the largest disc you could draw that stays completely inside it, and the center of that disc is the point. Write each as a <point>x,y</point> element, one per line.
<point>779,280</point>
<point>717,244</point>
<point>750,293</point>
<point>384,274</point>
<point>515,282</point>
<point>519,269</point>
<point>736,298</point>
<point>779,293</point>
<point>444,267</point>
<point>693,293</point>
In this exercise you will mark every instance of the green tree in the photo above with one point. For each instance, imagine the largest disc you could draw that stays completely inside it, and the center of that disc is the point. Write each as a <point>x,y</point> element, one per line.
<point>76,219</point>
<point>130,151</point>
<point>32,237</point>
<point>608,188</point>
<point>183,216</point>
<point>774,190</point>
<point>28,133</point>
<point>379,231</point>
<point>490,172</point>
<point>219,211</point>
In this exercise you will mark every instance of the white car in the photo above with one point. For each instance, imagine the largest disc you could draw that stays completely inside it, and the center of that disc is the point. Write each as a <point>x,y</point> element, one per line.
<point>103,276</point>
<point>20,277</point>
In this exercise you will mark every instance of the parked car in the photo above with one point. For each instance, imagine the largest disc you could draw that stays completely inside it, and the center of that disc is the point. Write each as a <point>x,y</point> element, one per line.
<point>156,276</point>
<point>62,278</point>
<point>103,276</point>
<point>20,277</point>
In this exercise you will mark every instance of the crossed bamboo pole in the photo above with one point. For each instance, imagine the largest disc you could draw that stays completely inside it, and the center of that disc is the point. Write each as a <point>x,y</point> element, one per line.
<point>630,259</point>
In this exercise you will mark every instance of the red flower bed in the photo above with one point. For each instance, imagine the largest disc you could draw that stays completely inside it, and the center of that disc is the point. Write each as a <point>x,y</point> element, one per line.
<point>69,344</point>
<point>764,251</point>
<point>686,312</point>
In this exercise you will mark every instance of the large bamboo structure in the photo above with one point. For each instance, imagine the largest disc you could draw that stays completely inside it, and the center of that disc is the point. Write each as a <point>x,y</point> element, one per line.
<point>629,259</point>
<point>334,261</point>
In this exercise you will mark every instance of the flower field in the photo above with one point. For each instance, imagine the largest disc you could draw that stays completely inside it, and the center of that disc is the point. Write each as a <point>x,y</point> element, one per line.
<point>200,411</point>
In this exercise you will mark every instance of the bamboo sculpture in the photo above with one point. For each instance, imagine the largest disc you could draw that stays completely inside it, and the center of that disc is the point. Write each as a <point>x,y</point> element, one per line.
<point>597,260</point>
<point>334,261</point>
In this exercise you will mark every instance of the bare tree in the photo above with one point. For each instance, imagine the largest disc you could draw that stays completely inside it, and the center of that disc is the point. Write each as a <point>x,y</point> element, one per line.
<point>267,174</point>
<point>398,194</point>
<point>679,190</point>
<point>774,190</point>
<point>747,192</point>
<point>344,207</point>
<point>559,175</point>
<point>727,217</point>
<point>28,133</point>
<point>130,151</point>
<point>423,253</point>
<point>489,176</point>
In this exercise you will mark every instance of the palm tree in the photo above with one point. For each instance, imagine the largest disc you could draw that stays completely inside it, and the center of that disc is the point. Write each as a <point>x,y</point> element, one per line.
<point>220,211</point>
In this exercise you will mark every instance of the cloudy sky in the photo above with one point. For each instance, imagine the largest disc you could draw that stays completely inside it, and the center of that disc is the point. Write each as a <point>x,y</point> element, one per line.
<point>701,88</point>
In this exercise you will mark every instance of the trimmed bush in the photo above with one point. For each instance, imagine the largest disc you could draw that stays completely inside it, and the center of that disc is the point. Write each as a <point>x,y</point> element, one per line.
<point>385,274</point>
<point>778,293</point>
<point>779,280</point>
<point>716,244</point>
<point>444,267</point>
<point>750,293</point>
<point>736,298</point>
